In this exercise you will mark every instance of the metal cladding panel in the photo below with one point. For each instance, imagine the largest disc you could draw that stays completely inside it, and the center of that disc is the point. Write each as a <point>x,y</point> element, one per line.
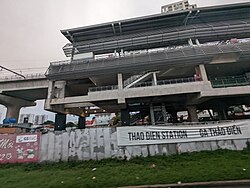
<point>145,62</point>
<point>192,51</point>
<point>201,15</point>
<point>161,38</point>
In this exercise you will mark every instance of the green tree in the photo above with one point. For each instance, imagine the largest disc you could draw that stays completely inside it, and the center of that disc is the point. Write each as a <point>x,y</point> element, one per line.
<point>71,124</point>
<point>48,122</point>
<point>116,119</point>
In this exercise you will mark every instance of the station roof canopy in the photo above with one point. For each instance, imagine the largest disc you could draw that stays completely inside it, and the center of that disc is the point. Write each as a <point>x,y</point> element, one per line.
<point>202,15</point>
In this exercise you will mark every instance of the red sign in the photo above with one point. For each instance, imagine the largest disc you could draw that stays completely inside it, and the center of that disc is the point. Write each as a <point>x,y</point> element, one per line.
<point>19,148</point>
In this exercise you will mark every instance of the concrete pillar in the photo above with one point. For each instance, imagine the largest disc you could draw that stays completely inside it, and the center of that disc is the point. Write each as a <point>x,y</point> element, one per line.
<point>13,111</point>
<point>14,105</point>
<point>201,70</point>
<point>60,122</point>
<point>154,79</point>
<point>164,113</point>
<point>59,90</point>
<point>152,115</point>
<point>51,90</point>
<point>197,42</point>
<point>174,117</point>
<point>222,113</point>
<point>190,42</point>
<point>72,53</point>
<point>210,114</point>
<point>56,89</point>
<point>51,95</point>
<point>121,98</point>
<point>120,81</point>
<point>81,122</point>
<point>125,119</point>
<point>192,114</point>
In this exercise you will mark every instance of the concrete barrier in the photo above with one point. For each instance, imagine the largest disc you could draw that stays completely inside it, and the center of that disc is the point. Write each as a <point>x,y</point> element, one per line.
<point>101,143</point>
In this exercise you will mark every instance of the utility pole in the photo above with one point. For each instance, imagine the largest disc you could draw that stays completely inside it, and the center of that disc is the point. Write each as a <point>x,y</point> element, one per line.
<point>12,71</point>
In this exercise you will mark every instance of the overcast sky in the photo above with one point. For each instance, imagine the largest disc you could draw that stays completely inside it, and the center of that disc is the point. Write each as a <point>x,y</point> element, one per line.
<point>30,29</point>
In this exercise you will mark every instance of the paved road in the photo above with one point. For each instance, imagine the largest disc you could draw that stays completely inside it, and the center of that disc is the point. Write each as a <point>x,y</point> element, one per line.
<point>212,184</point>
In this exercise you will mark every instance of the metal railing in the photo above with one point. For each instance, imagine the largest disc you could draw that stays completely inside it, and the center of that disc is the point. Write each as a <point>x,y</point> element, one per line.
<point>230,81</point>
<point>176,81</point>
<point>27,77</point>
<point>103,88</point>
<point>165,82</point>
<point>25,74</point>
<point>62,62</point>
<point>131,79</point>
<point>145,84</point>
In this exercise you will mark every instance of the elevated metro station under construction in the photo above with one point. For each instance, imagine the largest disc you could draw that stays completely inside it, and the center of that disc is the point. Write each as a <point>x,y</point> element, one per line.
<point>155,66</point>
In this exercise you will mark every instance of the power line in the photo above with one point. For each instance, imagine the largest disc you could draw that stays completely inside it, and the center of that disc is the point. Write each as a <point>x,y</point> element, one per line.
<point>12,71</point>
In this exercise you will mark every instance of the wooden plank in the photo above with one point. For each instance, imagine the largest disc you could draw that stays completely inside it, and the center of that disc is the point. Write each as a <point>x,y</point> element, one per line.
<point>213,145</point>
<point>136,151</point>
<point>100,143</point>
<point>8,130</point>
<point>164,149</point>
<point>107,142</point>
<point>43,152</point>
<point>65,146</point>
<point>152,150</point>
<point>93,143</point>
<point>226,144</point>
<point>157,152</point>
<point>128,151</point>
<point>51,146</point>
<point>114,147</point>
<point>79,138</point>
<point>72,145</point>
<point>144,151</point>
<point>240,144</point>
<point>86,144</point>
<point>206,146</point>
<point>172,149</point>
<point>58,147</point>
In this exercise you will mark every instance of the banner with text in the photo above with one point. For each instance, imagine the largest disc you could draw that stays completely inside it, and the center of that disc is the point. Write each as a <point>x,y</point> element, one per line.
<point>141,135</point>
<point>19,148</point>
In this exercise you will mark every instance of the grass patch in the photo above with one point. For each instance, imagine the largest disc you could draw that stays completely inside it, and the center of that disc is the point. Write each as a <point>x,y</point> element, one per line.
<point>188,167</point>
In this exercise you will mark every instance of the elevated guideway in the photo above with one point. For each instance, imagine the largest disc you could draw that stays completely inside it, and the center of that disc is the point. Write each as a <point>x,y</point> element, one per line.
<point>33,87</point>
<point>17,92</point>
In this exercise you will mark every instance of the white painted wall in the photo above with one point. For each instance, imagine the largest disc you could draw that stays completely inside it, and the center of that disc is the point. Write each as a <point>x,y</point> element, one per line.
<point>100,143</point>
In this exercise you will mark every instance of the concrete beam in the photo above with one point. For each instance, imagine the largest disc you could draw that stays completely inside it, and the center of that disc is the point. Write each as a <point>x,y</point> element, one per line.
<point>13,112</point>
<point>226,58</point>
<point>229,91</point>
<point>14,105</point>
<point>192,114</point>
<point>160,90</point>
<point>13,101</point>
<point>23,85</point>
<point>79,105</point>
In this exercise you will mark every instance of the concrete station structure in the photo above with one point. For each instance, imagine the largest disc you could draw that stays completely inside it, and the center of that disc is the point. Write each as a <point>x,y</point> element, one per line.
<point>155,66</point>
